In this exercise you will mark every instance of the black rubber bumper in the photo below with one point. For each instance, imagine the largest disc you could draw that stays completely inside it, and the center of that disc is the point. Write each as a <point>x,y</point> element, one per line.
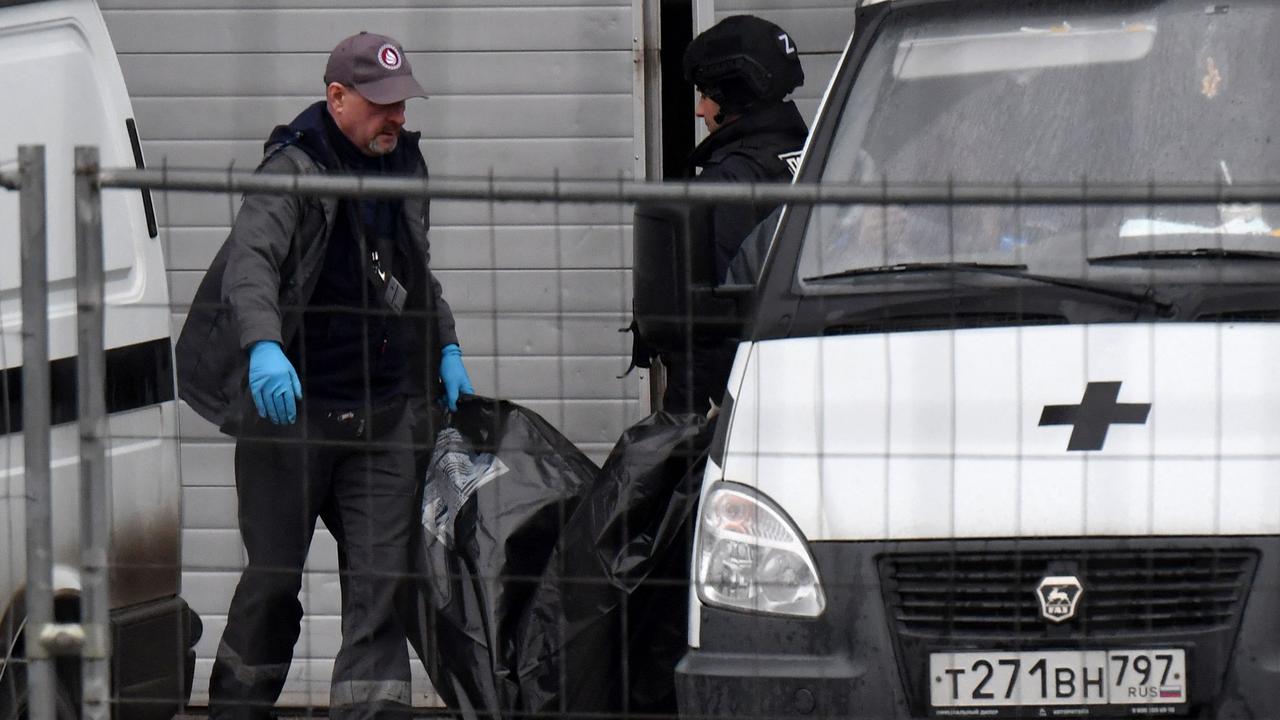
<point>153,658</point>
<point>765,686</point>
<point>856,661</point>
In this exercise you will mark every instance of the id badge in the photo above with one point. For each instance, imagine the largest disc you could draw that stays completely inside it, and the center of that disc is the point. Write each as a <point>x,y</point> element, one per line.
<point>395,295</point>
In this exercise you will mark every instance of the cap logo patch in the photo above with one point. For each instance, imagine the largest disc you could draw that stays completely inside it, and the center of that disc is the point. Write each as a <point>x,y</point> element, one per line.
<point>389,57</point>
<point>787,47</point>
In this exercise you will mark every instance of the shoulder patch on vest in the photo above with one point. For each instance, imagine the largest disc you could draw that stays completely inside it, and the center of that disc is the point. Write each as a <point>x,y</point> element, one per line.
<point>792,159</point>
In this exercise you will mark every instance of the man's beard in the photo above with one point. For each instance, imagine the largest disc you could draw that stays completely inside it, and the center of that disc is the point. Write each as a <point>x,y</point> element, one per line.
<point>377,149</point>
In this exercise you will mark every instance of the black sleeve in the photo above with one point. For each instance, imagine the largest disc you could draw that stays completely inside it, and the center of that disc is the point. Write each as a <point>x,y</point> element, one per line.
<point>745,266</point>
<point>261,238</point>
<point>732,223</point>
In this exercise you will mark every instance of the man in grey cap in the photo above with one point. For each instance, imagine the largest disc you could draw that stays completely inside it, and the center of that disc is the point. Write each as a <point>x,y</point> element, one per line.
<point>331,300</point>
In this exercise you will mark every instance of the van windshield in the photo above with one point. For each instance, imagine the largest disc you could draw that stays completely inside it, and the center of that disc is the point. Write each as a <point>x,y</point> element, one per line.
<point>1181,91</point>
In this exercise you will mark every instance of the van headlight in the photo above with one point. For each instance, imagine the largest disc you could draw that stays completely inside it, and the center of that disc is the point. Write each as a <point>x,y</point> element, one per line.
<point>751,557</point>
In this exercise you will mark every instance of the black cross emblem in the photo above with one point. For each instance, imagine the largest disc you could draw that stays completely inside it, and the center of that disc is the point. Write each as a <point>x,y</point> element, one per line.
<point>1095,414</point>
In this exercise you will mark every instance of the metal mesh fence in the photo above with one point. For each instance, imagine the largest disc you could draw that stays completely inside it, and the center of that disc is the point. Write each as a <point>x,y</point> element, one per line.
<point>906,486</point>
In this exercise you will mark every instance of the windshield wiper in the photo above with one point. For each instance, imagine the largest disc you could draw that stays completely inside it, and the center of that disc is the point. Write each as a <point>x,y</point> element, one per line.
<point>1196,254</point>
<point>922,267</point>
<point>1019,272</point>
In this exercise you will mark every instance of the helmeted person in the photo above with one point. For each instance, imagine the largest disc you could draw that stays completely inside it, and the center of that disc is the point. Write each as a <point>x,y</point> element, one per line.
<point>743,68</point>
<point>320,339</point>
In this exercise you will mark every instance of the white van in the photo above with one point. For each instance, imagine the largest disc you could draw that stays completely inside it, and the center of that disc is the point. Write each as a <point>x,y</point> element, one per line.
<point>62,86</point>
<point>996,461</point>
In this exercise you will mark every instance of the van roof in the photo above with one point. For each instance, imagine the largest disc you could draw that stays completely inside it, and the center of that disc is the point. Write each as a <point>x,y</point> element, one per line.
<point>8,3</point>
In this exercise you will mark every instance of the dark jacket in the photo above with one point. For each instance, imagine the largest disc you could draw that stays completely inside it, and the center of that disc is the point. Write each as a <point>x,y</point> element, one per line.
<point>271,260</point>
<point>762,146</point>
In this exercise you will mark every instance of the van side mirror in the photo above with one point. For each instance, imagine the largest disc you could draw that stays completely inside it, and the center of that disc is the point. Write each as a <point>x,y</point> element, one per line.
<point>676,296</point>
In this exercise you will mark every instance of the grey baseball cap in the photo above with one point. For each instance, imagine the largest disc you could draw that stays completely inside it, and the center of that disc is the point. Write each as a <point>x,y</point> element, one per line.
<point>375,66</point>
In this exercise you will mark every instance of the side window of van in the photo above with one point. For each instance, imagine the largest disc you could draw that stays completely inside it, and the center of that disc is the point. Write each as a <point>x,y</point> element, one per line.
<point>136,144</point>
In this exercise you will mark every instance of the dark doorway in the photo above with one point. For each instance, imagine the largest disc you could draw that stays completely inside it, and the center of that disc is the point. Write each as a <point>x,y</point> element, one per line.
<point>677,95</point>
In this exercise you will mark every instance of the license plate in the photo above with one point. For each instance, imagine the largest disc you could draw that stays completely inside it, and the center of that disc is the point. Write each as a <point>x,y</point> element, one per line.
<point>1144,682</point>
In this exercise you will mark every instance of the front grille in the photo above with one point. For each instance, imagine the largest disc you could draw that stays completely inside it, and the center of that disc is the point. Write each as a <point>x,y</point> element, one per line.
<point>1126,592</point>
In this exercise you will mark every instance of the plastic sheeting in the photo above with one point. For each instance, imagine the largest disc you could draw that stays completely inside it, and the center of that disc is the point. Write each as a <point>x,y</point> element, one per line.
<point>503,532</point>
<point>566,586</point>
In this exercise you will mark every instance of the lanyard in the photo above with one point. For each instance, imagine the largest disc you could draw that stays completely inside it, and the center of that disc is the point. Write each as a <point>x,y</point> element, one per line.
<point>394,294</point>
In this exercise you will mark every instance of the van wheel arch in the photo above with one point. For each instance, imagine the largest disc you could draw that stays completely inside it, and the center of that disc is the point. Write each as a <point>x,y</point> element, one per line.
<point>15,703</point>
<point>14,695</point>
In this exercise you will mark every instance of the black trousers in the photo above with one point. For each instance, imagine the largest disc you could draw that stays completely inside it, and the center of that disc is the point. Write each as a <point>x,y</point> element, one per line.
<point>364,490</point>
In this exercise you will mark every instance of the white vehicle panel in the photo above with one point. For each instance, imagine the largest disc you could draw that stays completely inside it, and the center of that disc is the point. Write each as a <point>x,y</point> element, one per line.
<point>58,55</point>
<point>938,434</point>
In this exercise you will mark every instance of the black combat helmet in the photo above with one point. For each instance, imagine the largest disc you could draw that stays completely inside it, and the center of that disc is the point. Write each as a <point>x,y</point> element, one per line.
<point>743,61</point>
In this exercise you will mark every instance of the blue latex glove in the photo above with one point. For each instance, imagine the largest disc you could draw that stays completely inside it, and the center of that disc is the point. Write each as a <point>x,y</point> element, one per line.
<point>273,383</point>
<point>454,375</point>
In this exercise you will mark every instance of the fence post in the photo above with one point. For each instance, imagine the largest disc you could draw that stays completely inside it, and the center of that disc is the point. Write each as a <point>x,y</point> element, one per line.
<point>41,677</point>
<point>95,491</point>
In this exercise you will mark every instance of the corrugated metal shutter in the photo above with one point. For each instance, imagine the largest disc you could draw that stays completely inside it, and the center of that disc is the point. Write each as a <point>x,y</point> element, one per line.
<point>519,87</point>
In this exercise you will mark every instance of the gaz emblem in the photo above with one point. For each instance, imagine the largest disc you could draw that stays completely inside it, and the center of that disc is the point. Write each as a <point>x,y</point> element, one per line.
<point>1058,596</point>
